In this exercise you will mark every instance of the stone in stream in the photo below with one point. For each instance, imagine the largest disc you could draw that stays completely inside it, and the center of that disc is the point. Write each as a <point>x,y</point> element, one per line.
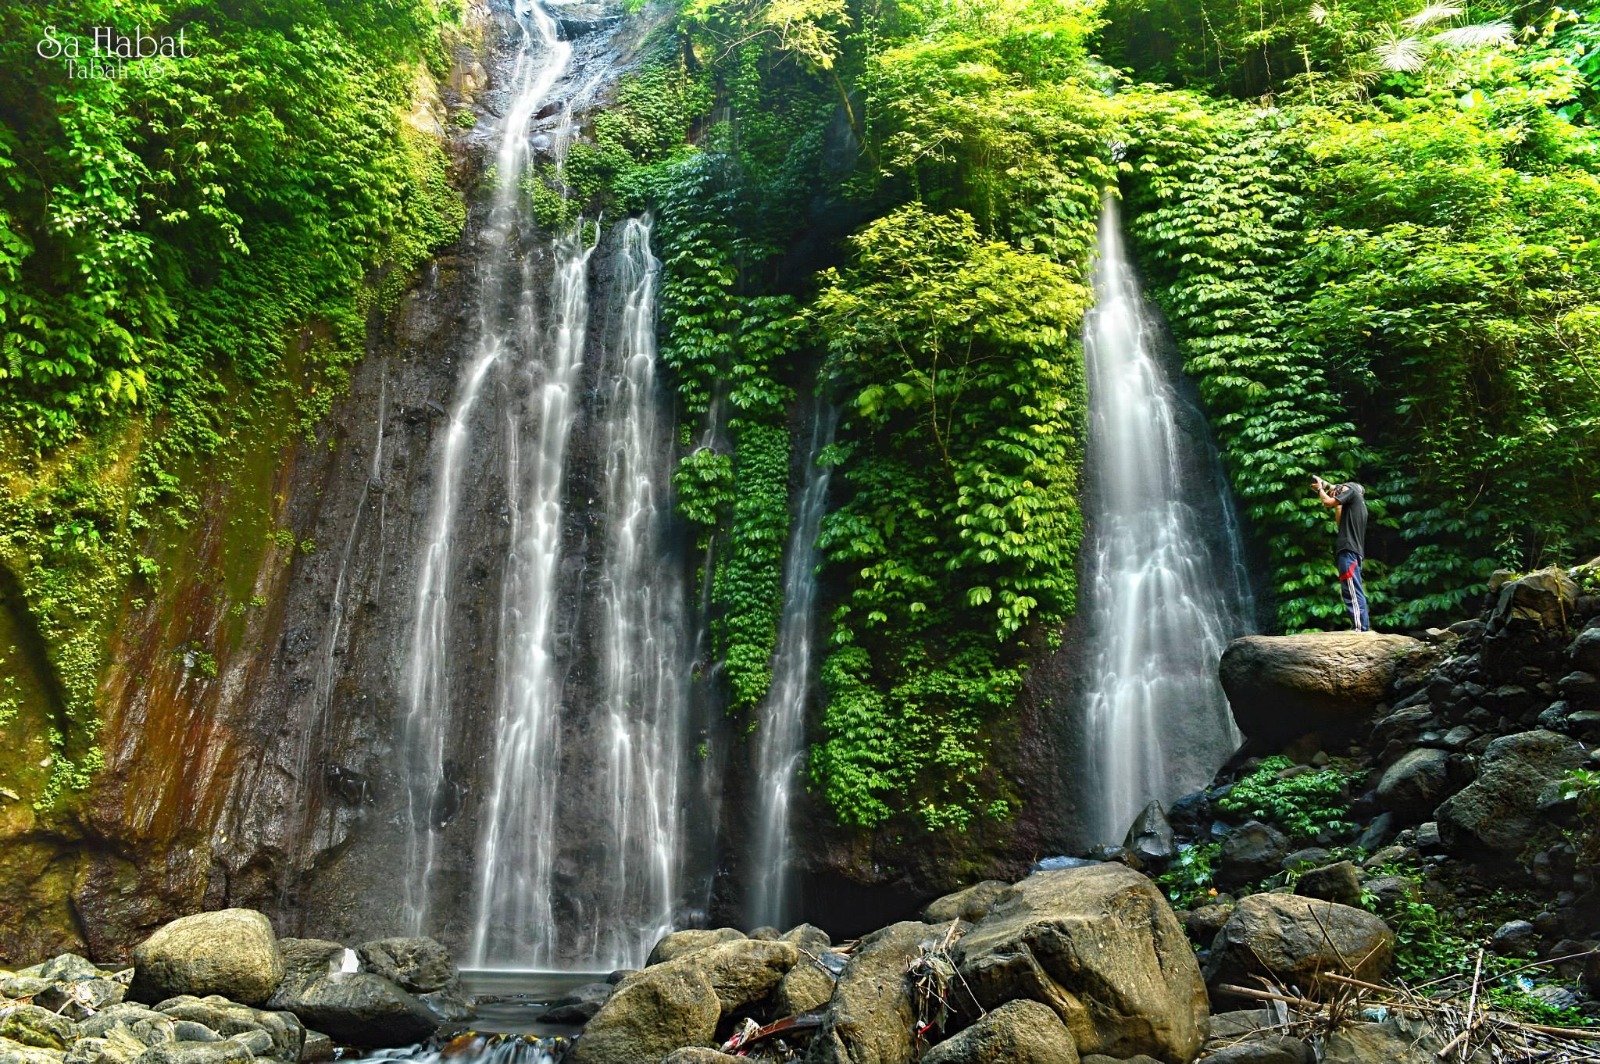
<point>419,965</point>
<point>579,1005</point>
<point>1100,946</point>
<point>357,1009</point>
<point>1282,687</point>
<point>422,967</point>
<point>1151,838</point>
<point>971,903</point>
<point>232,952</point>
<point>653,1012</point>
<point>1296,940</point>
<point>1018,1032</point>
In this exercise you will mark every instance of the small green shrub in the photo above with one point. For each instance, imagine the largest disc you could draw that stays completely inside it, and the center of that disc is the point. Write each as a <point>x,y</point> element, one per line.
<point>1187,880</point>
<point>1304,806</point>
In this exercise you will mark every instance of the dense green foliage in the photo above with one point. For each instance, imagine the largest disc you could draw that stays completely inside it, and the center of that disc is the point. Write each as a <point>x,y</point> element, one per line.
<point>1372,229</point>
<point>1389,276</point>
<point>164,235</point>
<point>1303,802</point>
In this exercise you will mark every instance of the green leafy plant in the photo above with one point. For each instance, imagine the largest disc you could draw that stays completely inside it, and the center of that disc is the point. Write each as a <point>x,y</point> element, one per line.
<point>1188,879</point>
<point>1304,804</point>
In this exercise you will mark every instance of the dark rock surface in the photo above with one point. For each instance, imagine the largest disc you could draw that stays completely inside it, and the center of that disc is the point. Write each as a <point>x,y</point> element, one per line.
<point>1281,687</point>
<point>1295,940</point>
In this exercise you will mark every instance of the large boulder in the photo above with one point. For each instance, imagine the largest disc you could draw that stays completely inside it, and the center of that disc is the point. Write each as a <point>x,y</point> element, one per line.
<point>652,1013</point>
<point>356,1008</point>
<point>742,971</point>
<point>808,985</point>
<point>1414,786</point>
<point>1018,1032</point>
<point>1281,687</point>
<point>1296,940</point>
<point>971,903</point>
<point>1497,814</point>
<point>870,1015</point>
<point>232,952</point>
<point>678,943</point>
<point>1100,946</point>
<point>1251,852</point>
<point>1539,600</point>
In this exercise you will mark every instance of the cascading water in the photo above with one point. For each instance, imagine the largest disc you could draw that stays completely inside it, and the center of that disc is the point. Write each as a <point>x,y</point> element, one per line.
<point>507,280</point>
<point>585,809</point>
<point>781,738</point>
<point>644,682</point>
<point>517,860</point>
<point>1167,588</point>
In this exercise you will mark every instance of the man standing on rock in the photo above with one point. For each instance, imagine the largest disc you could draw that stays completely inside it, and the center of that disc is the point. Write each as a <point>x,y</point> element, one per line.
<point>1349,504</point>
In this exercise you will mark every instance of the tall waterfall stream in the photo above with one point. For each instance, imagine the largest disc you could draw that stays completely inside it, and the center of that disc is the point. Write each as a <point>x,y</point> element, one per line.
<point>1166,584</point>
<point>550,387</point>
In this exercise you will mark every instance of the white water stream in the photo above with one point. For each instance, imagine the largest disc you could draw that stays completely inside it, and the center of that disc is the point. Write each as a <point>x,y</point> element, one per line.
<point>541,62</point>
<point>781,738</point>
<point>1166,585</point>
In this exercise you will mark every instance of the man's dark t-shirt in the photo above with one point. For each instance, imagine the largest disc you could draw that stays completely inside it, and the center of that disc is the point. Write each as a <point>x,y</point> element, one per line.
<point>1352,519</point>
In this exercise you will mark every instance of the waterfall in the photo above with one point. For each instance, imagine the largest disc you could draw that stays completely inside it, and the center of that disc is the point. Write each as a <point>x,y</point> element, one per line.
<point>781,738</point>
<point>589,825</point>
<point>1166,587</point>
<point>542,60</point>
<point>516,865</point>
<point>644,679</point>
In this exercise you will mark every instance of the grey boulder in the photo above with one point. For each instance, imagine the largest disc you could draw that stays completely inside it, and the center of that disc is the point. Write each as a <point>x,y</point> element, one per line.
<point>232,952</point>
<point>1100,946</point>
<point>1296,940</point>
<point>1018,1032</point>
<point>653,1012</point>
<point>1414,786</point>
<point>1281,687</point>
<point>1498,813</point>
